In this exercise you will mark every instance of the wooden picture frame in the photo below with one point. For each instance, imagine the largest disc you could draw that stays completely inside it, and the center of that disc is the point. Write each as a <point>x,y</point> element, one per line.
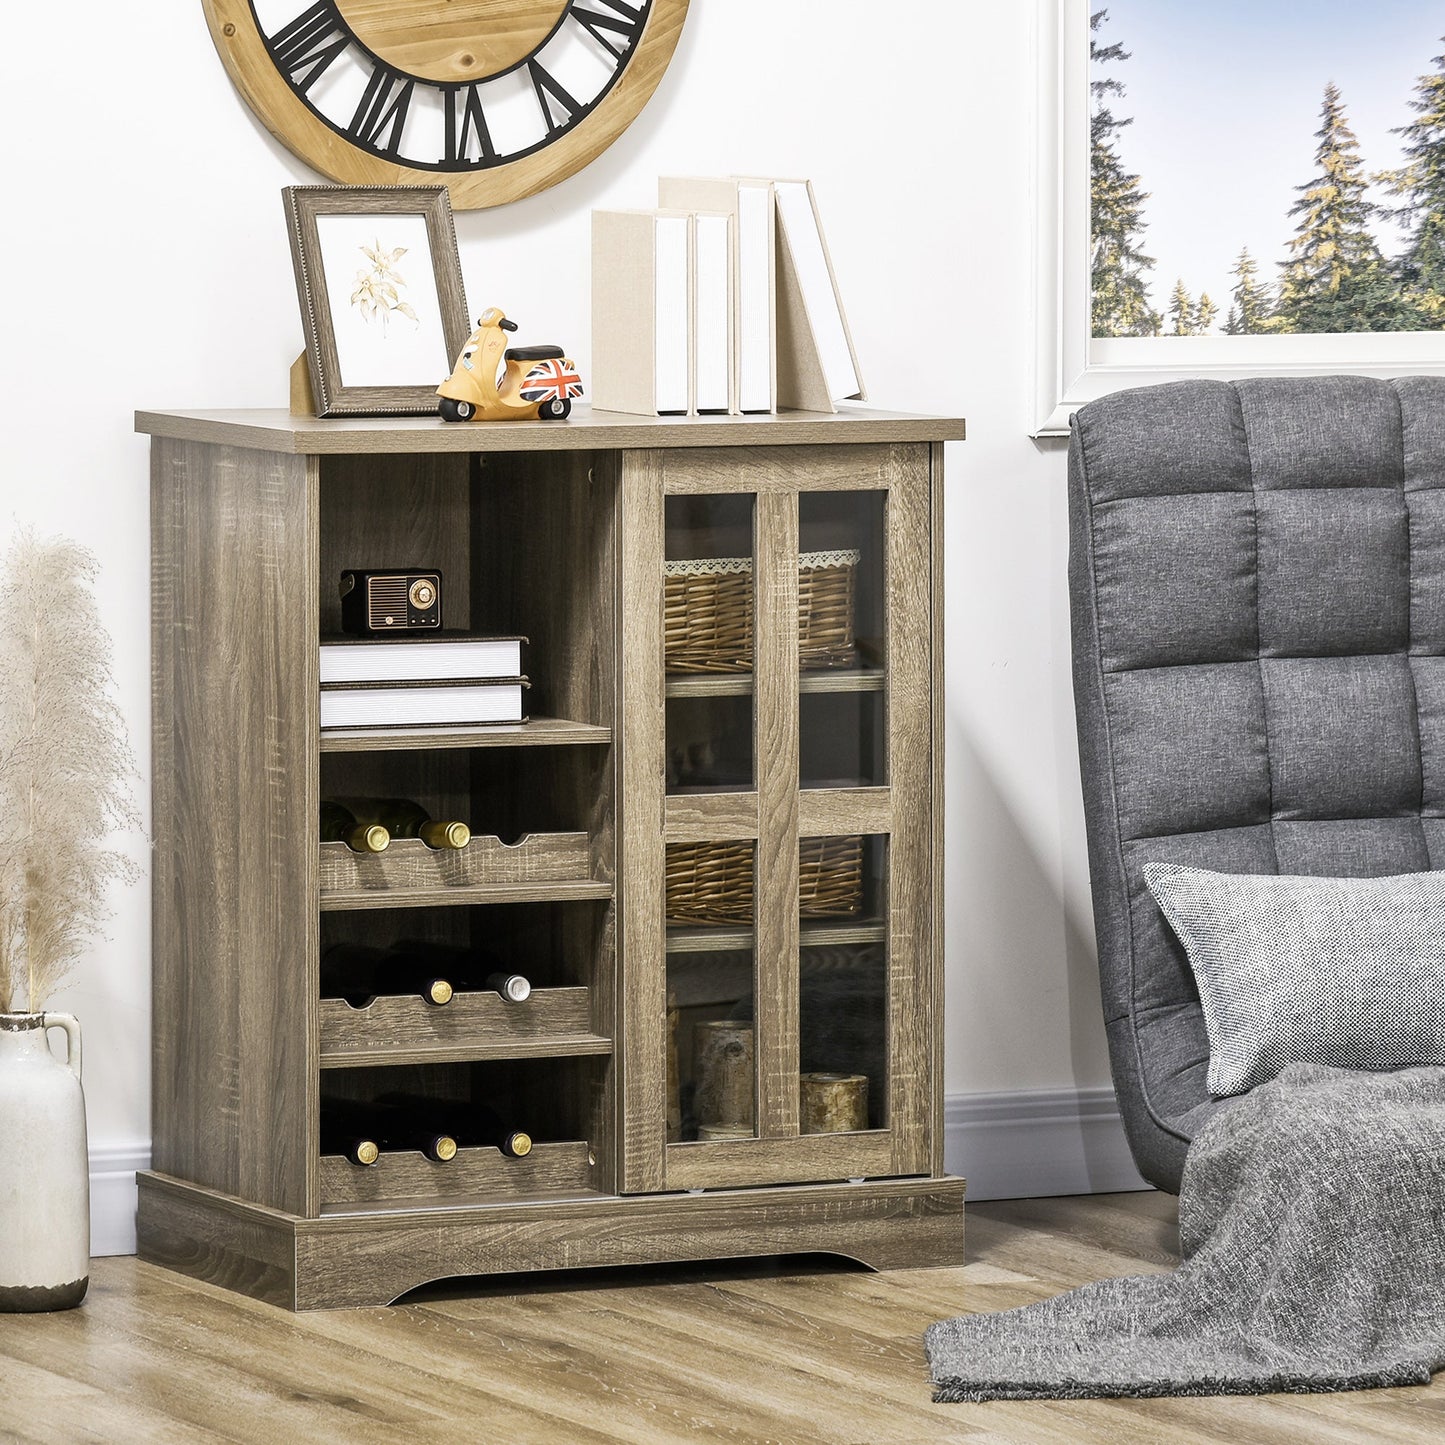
<point>381,335</point>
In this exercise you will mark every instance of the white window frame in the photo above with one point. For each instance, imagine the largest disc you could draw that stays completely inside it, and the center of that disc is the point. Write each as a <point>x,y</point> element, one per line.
<point>1073,368</point>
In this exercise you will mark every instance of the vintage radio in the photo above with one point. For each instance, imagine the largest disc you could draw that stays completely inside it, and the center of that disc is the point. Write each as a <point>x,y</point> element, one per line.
<point>397,600</point>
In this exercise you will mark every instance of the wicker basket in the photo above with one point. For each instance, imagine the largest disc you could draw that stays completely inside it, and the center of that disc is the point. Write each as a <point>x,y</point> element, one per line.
<point>712,883</point>
<point>708,612</point>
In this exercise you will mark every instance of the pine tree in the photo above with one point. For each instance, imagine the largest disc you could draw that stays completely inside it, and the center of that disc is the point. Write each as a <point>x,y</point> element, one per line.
<point>1336,280</point>
<point>1181,310</point>
<point>1252,309</point>
<point>1120,267</point>
<point>1422,182</point>
<point>1205,315</point>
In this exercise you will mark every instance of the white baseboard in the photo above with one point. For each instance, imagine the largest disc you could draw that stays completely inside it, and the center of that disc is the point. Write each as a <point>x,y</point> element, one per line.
<point>1032,1143</point>
<point>112,1196</point>
<point>1023,1144</point>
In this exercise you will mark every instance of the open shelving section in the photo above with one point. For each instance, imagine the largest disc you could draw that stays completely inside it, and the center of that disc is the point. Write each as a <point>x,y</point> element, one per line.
<point>817,773</point>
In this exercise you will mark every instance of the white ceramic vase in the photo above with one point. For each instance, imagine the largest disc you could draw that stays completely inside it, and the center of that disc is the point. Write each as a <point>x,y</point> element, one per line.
<point>44,1173</point>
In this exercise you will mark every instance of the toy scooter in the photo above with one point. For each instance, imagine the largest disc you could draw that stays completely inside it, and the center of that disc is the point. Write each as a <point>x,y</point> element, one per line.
<point>540,381</point>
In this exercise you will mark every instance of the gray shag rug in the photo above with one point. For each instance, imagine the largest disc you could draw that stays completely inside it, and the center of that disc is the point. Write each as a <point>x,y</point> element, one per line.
<point>1312,1233</point>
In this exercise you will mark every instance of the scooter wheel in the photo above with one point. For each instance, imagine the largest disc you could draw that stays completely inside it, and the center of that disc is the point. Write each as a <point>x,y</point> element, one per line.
<point>456,410</point>
<point>554,410</point>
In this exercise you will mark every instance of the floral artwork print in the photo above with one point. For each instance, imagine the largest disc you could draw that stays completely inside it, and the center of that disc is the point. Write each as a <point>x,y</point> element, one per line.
<point>379,286</point>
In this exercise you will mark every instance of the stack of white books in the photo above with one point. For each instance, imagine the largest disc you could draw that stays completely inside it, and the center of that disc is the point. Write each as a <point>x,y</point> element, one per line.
<point>722,301</point>
<point>446,679</point>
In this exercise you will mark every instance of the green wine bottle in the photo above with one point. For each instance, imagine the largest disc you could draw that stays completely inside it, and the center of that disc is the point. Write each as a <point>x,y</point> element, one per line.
<point>403,818</point>
<point>340,825</point>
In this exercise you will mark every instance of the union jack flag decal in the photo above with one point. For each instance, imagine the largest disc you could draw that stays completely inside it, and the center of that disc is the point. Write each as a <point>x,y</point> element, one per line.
<point>552,381</point>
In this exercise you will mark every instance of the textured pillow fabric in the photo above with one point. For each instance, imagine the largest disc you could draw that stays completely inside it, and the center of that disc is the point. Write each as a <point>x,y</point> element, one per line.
<point>1348,972</point>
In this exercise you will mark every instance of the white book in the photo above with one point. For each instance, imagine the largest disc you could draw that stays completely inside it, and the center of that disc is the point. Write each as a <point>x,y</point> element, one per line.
<point>434,659</point>
<point>757,346</point>
<point>750,202</point>
<point>349,706</point>
<point>802,234</point>
<point>712,287</point>
<point>672,315</point>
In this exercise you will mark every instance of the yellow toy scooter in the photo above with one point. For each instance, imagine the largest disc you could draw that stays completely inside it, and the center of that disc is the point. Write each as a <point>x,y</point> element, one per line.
<point>539,381</point>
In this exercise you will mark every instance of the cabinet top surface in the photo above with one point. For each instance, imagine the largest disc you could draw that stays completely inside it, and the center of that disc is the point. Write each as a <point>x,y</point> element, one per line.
<point>277,430</point>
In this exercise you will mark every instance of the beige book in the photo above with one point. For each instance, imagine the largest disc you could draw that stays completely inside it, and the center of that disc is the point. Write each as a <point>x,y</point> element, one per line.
<point>817,362</point>
<point>642,312</point>
<point>750,203</point>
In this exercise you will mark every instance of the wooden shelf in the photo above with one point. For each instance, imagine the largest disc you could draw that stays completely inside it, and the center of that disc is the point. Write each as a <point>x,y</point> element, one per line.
<point>540,732</point>
<point>405,1178</point>
<point>411,875</point>
<point>811,935</point>
<point>474,1026</point>
<point>275,430</point>
<point>342,899</point>
<point>740,684</point>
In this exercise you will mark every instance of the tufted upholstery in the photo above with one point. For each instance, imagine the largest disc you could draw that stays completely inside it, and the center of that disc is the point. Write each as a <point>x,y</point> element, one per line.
<point>1257,579</point>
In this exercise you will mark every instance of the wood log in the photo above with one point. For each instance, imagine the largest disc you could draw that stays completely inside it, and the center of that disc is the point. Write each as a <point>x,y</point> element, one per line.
<point>724,1053</point>
<point>707,1132</point>
<point>832,1103</point>
<point>674,1097</point>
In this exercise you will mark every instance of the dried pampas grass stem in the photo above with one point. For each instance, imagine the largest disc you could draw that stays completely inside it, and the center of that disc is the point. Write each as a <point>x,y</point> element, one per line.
<point>66,768</point>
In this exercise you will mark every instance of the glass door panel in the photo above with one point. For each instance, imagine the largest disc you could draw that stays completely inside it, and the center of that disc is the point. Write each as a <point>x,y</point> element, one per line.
<point>711,982</point>
<point>708,643</point>
<point>842,639</point>
<point>843,1004</point>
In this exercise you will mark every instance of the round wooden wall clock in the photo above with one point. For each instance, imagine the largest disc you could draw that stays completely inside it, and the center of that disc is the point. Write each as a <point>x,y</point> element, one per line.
<point>496,98</point>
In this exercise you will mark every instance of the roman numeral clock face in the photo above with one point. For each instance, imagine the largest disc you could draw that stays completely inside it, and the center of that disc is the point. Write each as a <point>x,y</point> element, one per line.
<point>496,98</point>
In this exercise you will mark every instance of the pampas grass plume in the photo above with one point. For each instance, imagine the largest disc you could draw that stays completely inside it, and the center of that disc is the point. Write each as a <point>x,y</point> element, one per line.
<point>66,769</point>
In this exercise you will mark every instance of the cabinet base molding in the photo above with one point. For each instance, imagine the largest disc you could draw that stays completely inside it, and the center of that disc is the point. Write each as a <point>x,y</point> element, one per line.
<point>371,1258</point>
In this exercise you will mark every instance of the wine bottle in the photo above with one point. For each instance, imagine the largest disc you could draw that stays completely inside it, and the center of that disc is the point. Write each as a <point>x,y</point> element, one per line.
<point>473,1126</point>
<point>340,825</point>
<point>365,1131</point>
<point>345,1131</point>
<point>358,973</point>
<point>403,818</point>
<point>512,986</point>
<point>465,967</point>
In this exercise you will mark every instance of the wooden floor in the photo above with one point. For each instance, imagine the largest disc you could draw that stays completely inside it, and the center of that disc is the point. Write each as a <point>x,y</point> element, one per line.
<point>806,1352</point>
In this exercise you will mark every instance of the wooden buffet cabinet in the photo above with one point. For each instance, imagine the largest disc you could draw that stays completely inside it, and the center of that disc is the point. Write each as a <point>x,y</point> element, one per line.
<point>596,827</point>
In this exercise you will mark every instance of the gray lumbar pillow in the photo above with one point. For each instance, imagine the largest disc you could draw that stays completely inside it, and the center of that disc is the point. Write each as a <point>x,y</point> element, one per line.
<point>1342,971</point>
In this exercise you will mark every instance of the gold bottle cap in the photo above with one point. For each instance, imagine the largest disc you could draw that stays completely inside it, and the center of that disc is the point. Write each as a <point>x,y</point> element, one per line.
<point>521,1144</point>
<point>367,1152</point>
<point>445,835</point>
<point>446,1148</point>
<point>439,991</point>
<point>375,839</point>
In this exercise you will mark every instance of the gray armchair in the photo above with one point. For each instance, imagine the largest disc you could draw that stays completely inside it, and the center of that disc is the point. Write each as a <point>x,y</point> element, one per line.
<point>1257,580</point>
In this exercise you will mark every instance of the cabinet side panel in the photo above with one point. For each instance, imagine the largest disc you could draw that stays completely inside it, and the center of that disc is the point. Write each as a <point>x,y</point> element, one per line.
<point>912,895</point>
<point>940,728</point>
<point>235,799</point>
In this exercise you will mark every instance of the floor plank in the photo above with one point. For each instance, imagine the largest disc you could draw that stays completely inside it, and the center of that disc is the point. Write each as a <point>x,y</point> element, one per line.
<point>798,1351</point>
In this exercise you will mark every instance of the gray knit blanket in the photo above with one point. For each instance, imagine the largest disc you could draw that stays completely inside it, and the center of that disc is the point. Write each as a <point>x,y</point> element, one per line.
<point>1312,1234</point>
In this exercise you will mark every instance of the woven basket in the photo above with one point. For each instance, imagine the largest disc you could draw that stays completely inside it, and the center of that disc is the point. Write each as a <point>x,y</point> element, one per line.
<point>712,883</point>
<point>708,612</point>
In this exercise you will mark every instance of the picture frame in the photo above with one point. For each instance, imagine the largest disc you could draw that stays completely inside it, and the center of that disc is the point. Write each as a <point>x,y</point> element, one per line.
<point>1073,367</point>
<point>382,331</point>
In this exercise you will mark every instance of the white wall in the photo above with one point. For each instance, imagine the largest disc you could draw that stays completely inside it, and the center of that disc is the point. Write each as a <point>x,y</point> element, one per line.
<point>147,266</point>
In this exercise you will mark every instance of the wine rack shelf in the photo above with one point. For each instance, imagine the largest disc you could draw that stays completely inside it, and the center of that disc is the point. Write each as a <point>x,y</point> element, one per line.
<point>474,1174</point>
<point>398,1029</point>
<point>559,533</point>
<point>408,865</point>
